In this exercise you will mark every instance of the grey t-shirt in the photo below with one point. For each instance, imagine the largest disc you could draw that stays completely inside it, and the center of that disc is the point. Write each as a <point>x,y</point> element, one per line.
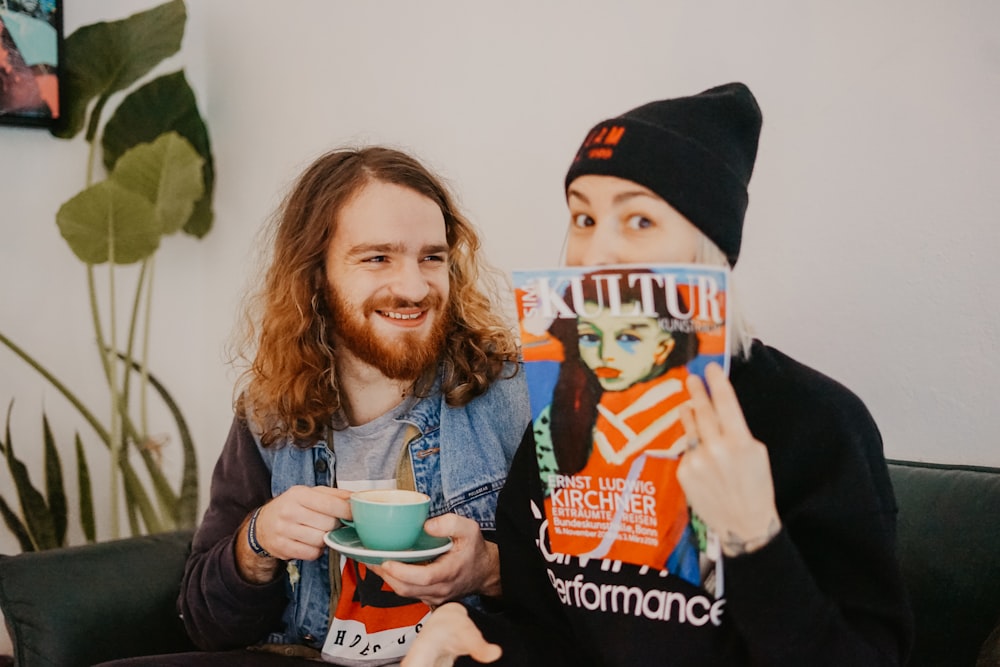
<point>372,626</point>
<point>366,456</point>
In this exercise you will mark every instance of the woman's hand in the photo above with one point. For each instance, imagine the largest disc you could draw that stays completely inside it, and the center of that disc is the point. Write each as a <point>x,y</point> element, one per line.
<point>448,634</point>
<point>725,471</point>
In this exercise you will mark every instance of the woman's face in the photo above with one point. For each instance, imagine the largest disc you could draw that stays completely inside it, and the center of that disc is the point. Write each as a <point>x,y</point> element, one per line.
<point>614,221</point>
<point>622,350</point>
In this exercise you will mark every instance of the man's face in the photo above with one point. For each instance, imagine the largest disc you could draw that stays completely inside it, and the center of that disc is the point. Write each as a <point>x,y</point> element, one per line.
<point>387,268</point>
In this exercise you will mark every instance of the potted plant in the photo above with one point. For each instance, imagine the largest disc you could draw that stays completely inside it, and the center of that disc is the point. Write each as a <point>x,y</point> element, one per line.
<point>157,180</point>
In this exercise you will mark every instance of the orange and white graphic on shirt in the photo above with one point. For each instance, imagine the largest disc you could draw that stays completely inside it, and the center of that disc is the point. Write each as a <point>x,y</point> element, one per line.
<point>372,622</point>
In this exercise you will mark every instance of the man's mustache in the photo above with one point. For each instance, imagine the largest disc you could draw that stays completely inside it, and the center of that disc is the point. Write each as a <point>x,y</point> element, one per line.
<point>430,302</point>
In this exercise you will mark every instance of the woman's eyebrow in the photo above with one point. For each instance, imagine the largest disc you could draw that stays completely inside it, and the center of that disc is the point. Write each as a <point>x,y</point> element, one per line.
<point>623,197</point>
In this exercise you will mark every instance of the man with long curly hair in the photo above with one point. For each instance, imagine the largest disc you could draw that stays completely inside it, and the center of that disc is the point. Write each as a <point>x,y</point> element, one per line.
<point>377,359</point>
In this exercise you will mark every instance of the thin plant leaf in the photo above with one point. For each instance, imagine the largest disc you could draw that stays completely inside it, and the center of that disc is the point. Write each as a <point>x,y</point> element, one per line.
<point>87,521</point>
<point>99,429</point>
<point>165,494</point>
<point>55,491</point>
<point>166,497</point>
<point>136,497</point>
<point>37,519</point>
<point>10,518</point>
<point>187,503</point>
<point>102,433</point>
<point>132,514</point>
<point>15,526</point>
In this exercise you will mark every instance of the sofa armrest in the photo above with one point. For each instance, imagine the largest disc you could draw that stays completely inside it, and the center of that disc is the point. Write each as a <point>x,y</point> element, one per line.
<point>949,551</point>
<point>87,604</point>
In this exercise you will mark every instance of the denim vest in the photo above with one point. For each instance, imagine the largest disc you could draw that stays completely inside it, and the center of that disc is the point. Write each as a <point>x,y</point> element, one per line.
<point>460,458</point>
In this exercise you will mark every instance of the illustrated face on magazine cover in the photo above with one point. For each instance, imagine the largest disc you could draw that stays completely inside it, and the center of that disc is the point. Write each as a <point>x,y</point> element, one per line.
<point>615,221</point>
<point>622,351</point>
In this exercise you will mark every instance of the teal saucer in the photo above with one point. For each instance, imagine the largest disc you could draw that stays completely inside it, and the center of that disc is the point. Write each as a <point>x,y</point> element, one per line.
<point>346,541</point>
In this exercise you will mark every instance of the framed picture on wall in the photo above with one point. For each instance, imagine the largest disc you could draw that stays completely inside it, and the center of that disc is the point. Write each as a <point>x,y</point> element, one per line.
<point>30,49</point>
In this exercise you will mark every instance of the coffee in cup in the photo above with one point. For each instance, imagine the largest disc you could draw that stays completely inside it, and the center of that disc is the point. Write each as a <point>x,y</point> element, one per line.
<point>388,519</point>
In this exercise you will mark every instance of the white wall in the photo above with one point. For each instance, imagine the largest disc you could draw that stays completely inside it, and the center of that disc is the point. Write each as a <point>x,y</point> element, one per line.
<point>871,234</point>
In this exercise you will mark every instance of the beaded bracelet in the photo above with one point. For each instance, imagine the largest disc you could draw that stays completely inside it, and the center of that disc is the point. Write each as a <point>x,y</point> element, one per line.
<point>252,536</point>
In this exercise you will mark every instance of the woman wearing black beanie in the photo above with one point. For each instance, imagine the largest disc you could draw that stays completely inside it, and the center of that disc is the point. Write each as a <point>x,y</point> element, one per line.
<point>783,463</point>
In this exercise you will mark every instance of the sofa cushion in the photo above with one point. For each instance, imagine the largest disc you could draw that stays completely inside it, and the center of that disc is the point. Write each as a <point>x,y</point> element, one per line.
<point>87,604</point>
<point>949,552</point>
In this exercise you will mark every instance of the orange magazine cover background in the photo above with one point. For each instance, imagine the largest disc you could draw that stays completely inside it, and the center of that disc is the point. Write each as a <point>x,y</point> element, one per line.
<point>607,351</point>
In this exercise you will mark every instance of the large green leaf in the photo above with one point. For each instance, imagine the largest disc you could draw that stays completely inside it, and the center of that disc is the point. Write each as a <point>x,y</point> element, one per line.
<point>108,212</point>
<point>103,58</point>
<point>164,104</point>
<point>168,173</point>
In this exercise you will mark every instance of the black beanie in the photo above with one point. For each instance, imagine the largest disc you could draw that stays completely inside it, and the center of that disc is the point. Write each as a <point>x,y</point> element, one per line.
<point>695,152</point>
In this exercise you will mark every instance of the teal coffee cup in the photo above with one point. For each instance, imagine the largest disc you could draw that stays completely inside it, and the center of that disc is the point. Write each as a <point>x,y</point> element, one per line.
<point>388,519</point>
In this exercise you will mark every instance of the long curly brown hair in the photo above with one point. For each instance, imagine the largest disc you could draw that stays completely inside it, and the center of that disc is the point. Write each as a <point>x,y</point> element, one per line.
<point>289,384</point>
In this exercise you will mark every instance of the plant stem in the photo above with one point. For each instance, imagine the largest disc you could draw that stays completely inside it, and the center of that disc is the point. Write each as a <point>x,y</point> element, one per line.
<point>166,498</point>
<point>129,351</point>
<point>91,135</point>
<point>70,396</point>
<point>117,450</point>
<point>95,316</point>
<point>146,328</point>
<point>107,357</point>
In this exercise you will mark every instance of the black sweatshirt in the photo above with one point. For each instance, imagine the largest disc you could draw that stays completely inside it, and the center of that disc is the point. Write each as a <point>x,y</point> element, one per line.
<point>826,591</point>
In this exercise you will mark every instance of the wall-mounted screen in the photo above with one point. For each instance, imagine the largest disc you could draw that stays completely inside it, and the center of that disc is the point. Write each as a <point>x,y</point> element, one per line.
<point>30,45</point>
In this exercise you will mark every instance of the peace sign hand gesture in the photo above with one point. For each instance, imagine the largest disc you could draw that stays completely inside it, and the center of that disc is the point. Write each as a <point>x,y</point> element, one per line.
<point>725,471</point>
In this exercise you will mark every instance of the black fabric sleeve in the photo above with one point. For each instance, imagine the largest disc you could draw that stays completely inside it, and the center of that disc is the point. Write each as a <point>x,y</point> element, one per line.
<point>786,618</point>
<point>827,590</point>
<point>220,609</point>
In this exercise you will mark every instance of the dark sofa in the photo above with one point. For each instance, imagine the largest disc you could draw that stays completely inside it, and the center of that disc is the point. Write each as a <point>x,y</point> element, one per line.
<point>88,604</point>
<point>949,551</point>
<point>82,605</point>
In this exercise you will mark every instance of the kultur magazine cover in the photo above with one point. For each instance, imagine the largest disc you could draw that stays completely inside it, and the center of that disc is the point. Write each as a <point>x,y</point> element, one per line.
<point>607,351</point>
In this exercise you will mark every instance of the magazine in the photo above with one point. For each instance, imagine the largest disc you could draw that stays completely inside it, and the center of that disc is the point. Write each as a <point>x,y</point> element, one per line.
<point>607,351</point>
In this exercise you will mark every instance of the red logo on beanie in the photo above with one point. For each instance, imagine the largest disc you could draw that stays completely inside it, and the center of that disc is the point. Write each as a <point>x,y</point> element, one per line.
<point>599,144</point>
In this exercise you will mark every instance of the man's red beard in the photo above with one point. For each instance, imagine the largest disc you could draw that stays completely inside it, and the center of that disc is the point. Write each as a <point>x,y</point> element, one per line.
<point>407,354</point>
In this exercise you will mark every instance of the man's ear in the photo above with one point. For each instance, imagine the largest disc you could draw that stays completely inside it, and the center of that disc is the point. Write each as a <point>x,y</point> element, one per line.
<point>663,350</point>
